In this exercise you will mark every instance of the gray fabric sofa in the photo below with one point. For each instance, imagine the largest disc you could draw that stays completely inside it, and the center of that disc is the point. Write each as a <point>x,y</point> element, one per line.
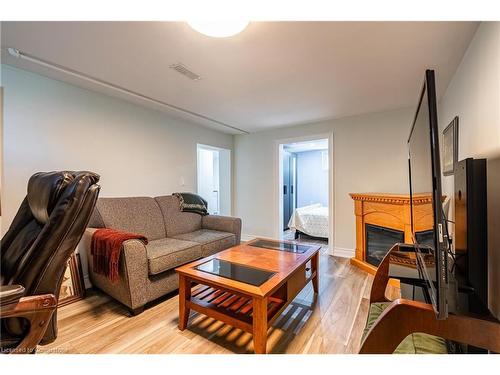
<point>147,272</point>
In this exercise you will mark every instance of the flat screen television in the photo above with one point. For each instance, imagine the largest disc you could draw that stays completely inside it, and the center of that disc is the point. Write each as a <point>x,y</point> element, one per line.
<point>425,178</point>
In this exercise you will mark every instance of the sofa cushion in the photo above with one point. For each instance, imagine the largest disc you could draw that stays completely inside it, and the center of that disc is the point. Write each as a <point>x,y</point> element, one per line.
<point>176,221</point>
<point>168,253</point>
<point>211,241</point>
<point>140,215</point>
<point>415,343</point>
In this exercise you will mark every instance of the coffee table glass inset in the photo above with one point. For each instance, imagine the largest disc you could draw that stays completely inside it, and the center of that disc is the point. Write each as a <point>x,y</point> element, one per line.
<point>281,246</point>
<point>235,271</point>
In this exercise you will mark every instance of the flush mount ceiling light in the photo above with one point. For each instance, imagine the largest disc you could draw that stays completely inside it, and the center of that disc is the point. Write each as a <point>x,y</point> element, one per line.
<point>219,28</point>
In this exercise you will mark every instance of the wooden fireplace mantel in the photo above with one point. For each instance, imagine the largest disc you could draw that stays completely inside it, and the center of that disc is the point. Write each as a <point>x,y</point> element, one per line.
<point>391,198</point>
<point>390,211</point>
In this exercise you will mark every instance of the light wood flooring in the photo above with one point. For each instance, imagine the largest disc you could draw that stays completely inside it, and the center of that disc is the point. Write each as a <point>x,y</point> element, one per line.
<point>333,323</point>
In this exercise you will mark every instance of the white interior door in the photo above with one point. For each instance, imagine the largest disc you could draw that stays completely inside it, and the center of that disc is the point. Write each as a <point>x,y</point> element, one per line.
<point>214,178</point>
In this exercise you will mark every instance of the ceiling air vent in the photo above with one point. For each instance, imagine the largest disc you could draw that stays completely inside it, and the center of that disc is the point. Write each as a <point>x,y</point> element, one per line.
<point>181,68</point>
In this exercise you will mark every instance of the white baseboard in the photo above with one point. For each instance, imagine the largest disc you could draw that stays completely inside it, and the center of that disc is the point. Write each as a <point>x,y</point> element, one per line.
<point>248,237</point>
<point>343,252</point>
<point>86,281</point>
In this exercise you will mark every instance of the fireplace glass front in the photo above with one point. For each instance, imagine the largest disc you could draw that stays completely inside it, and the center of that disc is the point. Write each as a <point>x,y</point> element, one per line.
<point>379,241</point>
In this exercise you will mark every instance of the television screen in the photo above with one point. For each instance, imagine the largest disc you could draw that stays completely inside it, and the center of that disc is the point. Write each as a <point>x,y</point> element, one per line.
<point>425,179</point>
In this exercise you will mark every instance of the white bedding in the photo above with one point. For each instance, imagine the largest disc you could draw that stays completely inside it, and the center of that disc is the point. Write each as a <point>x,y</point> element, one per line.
<point>311,220</point>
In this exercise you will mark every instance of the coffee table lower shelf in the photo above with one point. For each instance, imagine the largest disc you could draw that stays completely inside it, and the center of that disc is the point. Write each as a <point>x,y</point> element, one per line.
<point>222,305</point>
<point>238,310</point>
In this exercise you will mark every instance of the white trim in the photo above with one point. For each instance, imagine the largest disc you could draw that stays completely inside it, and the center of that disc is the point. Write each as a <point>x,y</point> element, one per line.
<point>278,177</point>
<point>86,282</point>
<point>248,237</point>
<point>343,252</point>
<point>210,147</point>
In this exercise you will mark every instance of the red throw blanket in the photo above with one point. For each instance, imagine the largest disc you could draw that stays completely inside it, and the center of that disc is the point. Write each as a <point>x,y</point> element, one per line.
<point>106,247</point>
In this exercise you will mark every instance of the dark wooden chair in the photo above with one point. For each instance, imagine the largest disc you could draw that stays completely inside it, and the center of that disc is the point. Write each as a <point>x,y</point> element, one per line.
<point>403,317</point>
<point>34,253</point>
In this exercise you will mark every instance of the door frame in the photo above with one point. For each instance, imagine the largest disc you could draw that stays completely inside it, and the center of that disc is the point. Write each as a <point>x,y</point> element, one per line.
<point>230,176</point>
<point>278,180</point>
<point>292,183</point>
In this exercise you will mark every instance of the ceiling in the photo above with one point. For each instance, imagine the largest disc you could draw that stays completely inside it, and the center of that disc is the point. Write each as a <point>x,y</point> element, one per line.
<point>272,74</point>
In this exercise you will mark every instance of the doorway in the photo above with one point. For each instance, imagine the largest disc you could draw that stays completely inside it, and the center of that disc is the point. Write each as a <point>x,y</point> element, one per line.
<point>305,188</point>
<point>214,178</point>
<point>289,186</point>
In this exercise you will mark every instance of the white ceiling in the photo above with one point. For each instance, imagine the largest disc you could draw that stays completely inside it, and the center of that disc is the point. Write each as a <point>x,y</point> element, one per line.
<point>272,74</point>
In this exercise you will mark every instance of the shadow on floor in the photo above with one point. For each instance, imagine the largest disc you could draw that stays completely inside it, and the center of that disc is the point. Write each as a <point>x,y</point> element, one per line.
<point>280,334</point>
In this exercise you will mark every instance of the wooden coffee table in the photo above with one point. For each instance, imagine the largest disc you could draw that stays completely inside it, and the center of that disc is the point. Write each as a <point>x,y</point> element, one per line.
<point>260,278</point>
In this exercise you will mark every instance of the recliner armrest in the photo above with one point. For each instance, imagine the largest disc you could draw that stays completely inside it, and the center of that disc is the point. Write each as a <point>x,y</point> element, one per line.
<point>381,279</point>
<point>10,294</point>
<point>29,305</point>
<point>37,309</point>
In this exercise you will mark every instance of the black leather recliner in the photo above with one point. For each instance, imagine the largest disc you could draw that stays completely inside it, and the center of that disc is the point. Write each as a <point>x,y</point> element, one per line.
<point>34,253</point>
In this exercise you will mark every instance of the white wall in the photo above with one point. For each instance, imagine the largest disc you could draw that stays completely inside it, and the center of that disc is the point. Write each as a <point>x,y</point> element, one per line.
<point>474,96</point>
<point>225,182</point>
<point>50,125</point>
<point>312,179</point>
<point>369,154</point>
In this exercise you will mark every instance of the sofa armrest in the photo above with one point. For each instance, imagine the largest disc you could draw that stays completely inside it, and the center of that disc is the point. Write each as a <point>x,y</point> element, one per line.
<point>133,268</point>
<point>134,263</point>
<point>223,224</point>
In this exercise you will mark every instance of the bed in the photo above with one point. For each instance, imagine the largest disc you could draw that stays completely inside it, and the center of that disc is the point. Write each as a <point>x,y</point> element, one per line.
<point>311,220</point>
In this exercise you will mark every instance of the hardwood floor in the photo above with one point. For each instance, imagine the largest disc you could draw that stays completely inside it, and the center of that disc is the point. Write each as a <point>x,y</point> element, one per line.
<point>331,324</point>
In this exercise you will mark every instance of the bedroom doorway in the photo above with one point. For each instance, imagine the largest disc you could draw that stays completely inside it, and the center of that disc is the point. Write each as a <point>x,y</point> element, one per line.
<point>305,189</point>
<point>214,178</point>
